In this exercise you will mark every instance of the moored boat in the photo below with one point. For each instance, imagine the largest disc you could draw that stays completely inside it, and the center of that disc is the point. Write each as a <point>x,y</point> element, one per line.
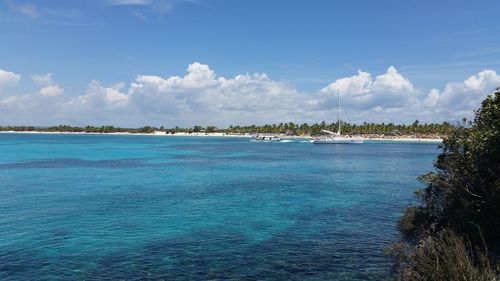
<point>336,138</point>
<point>265,138</point>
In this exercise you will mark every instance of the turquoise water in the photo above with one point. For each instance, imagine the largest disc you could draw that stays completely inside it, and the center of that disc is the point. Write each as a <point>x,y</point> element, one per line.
<point>87,207</point>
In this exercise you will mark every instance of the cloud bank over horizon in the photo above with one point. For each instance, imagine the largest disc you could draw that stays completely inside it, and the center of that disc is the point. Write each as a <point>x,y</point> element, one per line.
<point>201,97</point>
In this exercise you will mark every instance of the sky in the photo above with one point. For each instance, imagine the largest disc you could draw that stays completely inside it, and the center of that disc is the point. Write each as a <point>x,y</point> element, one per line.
<point>181,63</point>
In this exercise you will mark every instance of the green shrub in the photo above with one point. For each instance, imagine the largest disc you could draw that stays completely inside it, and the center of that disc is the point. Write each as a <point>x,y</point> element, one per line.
<point>446,256</point>
<point>454,233</point>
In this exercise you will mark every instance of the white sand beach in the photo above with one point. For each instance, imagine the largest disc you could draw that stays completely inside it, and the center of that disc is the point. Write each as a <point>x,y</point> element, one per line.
<point>378,138</point>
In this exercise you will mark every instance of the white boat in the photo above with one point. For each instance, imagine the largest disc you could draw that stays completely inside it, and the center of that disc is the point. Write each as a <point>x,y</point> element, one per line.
<point>336,138</point>
<point>265,138</point>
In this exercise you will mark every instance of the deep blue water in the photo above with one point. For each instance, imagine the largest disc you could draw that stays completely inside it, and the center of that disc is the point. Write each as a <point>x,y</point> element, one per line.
<point>87,207</point>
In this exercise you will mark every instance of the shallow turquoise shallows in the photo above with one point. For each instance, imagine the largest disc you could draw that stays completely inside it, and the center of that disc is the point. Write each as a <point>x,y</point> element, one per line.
<point>101,207</point>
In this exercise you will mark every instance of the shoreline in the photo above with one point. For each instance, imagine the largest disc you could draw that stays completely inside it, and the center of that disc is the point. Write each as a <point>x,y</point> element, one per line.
<point>404,139</point>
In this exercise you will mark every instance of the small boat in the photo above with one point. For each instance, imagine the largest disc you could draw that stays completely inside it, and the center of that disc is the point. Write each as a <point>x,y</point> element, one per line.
<point>334,138</point>
<point>266,138</point>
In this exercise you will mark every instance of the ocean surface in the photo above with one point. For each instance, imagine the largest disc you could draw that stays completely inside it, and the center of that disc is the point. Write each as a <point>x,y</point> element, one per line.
<point>102,207</point>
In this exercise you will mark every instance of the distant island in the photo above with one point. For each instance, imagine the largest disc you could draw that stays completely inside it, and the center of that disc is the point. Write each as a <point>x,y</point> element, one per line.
<point>414,131</point>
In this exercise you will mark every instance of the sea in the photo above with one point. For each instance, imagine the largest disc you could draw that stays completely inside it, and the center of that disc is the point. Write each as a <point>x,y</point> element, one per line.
<point>112,207</point>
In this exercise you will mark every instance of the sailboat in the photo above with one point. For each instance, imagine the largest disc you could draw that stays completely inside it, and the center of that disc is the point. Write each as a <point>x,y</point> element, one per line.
<point>336,138</point>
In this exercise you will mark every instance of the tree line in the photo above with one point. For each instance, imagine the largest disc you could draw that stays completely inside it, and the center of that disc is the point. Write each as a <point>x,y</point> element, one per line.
<point>76,129</point>
<point>438,129</point>
<point>348,128</point>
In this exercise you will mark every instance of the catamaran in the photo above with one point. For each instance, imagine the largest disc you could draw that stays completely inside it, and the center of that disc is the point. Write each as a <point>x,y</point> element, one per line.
<point>334,138</point>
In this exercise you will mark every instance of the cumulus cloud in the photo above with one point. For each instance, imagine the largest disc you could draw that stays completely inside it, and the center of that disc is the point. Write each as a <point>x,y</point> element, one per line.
<point>391,89</point>
<point>459,98</point>
<point>99,97</point>
<point>7,77</point>
<point>31,109</point>
<point>198,76</point>
<point>202,97</point>
<point>49,89</point>
<point>391,97</point>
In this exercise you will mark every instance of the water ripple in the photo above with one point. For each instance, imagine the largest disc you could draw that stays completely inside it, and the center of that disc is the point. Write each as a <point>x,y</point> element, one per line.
<point>143,208</point>
<point>60,163</point>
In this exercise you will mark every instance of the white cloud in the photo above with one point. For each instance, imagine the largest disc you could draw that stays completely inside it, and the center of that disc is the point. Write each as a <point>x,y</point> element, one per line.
<point>7,77</point>
<point>357,84</point>
<point>27,109</point>
<point>51,91</point>
<point>202,97</point>
<point>432,99</point>
<point>44,80</point>
<point>361,91</point>
<point>198,76</point>
<point>99,97</point>
<point>392,81</point>
<point>462,97</point>
<point>482,80</point>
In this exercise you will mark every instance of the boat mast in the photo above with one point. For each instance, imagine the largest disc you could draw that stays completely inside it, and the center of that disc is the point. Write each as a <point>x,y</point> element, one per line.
<point>338,117</point>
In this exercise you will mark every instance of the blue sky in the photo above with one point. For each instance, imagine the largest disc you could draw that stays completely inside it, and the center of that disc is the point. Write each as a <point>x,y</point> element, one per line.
<point>304,48</point>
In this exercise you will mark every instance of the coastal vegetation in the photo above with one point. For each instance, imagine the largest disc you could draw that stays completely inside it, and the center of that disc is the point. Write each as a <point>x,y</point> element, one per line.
<point>416,128</point>
<point>454,231</point>
<point>348,128</point>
